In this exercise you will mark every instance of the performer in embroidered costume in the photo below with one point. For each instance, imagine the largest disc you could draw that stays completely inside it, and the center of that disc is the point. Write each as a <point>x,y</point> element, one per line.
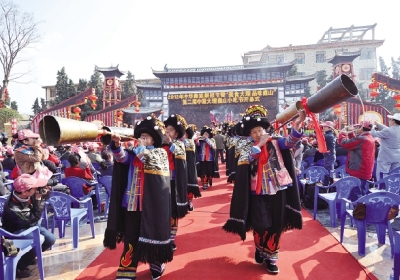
<point>190,147</point>
<point>207,167</point>
<point>230,149</point>
<point>140,204</point>
<point>238,142</point>
<point>175,129</point>
<point>265,196</point>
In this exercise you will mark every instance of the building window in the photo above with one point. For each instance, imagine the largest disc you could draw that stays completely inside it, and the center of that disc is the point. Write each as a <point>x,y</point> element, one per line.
<point>300,58</point>
<point>366,73</point>
<point>320,57</point>
<point>367,53</point>
<point>53,92</point>
<point>276,59</point>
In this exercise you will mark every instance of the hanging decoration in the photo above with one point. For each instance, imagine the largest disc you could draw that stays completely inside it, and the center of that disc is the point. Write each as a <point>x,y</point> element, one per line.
<point>337,109</point>
<point>93,98</point>
<point>119,116</point>
<point>397,99</point>
<point>77,111</point>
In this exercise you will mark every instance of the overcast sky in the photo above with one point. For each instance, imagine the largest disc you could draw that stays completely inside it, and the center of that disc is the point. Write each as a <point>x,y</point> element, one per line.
<point>140,35</point>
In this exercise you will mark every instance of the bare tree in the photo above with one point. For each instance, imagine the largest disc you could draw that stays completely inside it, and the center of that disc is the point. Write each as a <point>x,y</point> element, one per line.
<point>18,31</point>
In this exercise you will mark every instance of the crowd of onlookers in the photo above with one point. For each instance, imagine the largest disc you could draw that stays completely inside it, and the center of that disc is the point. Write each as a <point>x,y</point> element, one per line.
<point>36,169</point>
<point>371,149</point>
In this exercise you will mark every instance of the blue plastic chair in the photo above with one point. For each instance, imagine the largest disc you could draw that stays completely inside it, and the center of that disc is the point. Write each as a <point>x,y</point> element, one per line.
<point>340,172</point>
<point>378,205</point>
<point>343,189</point>
<point>75,185</point>
<point>9,173</point>
<point>341,161</point>
<point>319,163</point>
<point>63,212</point>
<point>394,171</point>
<point>25,243</point>
<point>313,174</point>
<point>309,161</point>
<point>390,183</point>
<point>106,182</point>
<point>96,165</point>
<point>396,262</point>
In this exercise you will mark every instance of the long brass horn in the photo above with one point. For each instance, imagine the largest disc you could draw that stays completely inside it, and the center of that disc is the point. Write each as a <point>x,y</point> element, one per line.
<point>57,131</point>
<point>335,92</point>
<point>125,132</point>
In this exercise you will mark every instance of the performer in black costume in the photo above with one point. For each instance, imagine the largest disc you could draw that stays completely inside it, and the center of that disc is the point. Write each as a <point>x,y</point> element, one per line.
<point>140,204</point>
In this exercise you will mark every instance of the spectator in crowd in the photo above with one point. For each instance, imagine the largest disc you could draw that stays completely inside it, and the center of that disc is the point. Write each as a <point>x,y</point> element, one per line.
<point>67,152</point>
<point>306,145</point>
<point>52,156</point>
<point>9,161</point>
<point>340,151</point>
<point>28,153</point>
<point>298,154</point>
<point>330,138</point>
<point>92,153</point>
<point>219,141</point>
<point>311,152</point>
<point>22,210</point>
<point>53,182</point>
<point>86,174</point>
<point>106,166</point>
<point>389,151</point>
<point>361,147</point>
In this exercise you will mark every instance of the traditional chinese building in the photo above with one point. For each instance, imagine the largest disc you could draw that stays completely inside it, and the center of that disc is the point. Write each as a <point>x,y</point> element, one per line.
<point>312,58</point>
<point>218,94</point>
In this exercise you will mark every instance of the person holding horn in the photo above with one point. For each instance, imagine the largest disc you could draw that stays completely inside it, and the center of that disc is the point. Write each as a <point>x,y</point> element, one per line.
<point>175,148</point>
<point>265,196</point>
<point>140,204</point>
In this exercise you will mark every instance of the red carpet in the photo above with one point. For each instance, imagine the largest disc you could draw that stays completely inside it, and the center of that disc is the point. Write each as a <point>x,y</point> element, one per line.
<point>205,251</point>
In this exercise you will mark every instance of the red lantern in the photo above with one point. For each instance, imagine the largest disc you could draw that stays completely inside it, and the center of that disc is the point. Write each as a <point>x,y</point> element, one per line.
<point>374,94</point>
<point>397,99</point>
<point>120,113</point>
<point>137,109</point>
<point>373,85</point>
<point>93,98</point>
<point>77,110</point>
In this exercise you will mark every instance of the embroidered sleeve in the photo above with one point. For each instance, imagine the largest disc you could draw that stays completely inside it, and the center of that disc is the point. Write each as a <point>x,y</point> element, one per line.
<point>254,153</point>
<point>211,143</point>
<point>290,141</point>
<point>139,151</point>
<point>245,154</point>
<point>179,149</point>
<point>120,155</point>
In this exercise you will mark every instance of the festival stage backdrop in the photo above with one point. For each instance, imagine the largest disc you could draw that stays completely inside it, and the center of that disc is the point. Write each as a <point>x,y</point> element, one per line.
<point>203,108</point>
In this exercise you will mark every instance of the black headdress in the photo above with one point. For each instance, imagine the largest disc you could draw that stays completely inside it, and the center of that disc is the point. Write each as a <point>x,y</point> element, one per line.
<point>254,116</point>
<point>153,126</point>
<point>190,130</point>
<point>208,130</point>
<point>178,122</point>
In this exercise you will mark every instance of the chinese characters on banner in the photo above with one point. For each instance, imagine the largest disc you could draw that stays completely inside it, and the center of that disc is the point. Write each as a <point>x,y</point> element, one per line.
<point>222,97</point>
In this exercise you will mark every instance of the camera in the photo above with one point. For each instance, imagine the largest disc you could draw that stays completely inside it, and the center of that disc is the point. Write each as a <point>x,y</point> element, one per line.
<point>52,181</point>
<point>41,190</point>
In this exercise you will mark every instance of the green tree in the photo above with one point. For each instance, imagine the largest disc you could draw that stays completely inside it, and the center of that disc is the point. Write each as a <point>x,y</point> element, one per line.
<point>36,107</point>
<point>65,87</point>
<point>307,92</point>
<point>129,88</point>
<point>396,68</point>
<point>293,71</point>
<point>96,82</point>
<point>14,105</point>
<point>6,114</point>
<point>82,85</point>
<point>321,78</point>
<point>384,95</point>
<point>383,66</point>
<point>43,105</point>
